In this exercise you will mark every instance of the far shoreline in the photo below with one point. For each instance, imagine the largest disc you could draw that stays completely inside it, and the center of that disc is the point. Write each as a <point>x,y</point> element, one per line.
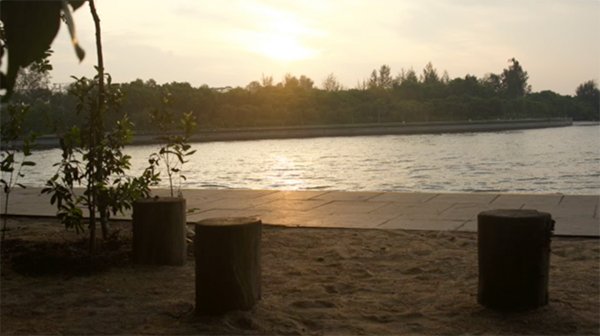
<point>300,132</point>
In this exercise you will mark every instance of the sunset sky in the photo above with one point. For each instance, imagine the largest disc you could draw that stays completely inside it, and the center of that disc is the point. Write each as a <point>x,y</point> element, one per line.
<point>231,43</point>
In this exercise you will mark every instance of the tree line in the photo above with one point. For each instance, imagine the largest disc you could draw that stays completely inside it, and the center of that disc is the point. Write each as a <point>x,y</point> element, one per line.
<point>296,101</point>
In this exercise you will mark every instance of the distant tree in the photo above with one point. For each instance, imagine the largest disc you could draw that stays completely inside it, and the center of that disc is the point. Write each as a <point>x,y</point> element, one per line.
<point>445,77</point>
<point>373,80</point>
<point>406,76</point>
<point>267,81</point>
<point>290,82</point>
<point>362,85</point>
<point>151,83</point>
<point>330,83</point>
<point>492,83</point>
<point>407,84</point>
<point>589,94</point>
<point>253,86</point>
<point>381,79</point>
<point>514,80</point>
<point>305,82</point>
<point>468,86</point>
<point>385,80</point>
<point>430,75</point>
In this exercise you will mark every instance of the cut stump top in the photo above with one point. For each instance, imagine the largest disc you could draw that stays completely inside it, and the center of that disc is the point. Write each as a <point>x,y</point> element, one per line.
<point>162,199</point>
<point>513,213</point>
<point>229,221</point>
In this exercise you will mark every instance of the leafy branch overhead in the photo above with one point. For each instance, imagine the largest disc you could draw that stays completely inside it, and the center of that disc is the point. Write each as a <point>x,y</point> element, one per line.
<point>29,29</point>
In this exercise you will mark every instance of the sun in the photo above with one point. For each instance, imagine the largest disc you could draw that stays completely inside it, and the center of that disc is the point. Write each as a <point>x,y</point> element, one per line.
<point>283,48</point>
<point>278,36</point>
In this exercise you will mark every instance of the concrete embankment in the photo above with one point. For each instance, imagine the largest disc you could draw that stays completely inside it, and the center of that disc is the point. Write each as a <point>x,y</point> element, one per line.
<point>205,135</point>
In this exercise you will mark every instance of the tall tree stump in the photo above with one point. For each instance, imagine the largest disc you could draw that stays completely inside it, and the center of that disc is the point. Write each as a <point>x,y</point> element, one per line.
<point>228,274</point>
<point>159,231</point>
<point>514,257</point>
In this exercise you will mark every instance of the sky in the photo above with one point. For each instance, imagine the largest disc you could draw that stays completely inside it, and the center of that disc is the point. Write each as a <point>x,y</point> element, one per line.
<point>231,43</point>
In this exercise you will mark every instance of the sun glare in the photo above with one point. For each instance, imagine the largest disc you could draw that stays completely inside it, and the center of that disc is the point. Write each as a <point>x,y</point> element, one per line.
<point>283,48</point>
<point>279,36</point>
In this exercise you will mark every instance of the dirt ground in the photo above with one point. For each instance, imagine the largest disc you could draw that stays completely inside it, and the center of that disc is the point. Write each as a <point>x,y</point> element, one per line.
<point>315,281</point>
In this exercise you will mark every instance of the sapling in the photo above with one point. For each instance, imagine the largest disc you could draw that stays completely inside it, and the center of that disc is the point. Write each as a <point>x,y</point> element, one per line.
<point>174,145</point>
<point>14,141</point>
<point>107,190</point>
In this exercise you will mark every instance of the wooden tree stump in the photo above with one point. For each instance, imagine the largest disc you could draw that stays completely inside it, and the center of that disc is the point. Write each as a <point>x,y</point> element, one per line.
<point>514,257</point>
<point>228,271</point>
<point>159,231</point>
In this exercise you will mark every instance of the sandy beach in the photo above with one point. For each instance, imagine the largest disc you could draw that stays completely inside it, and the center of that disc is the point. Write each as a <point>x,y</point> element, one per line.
<point>315,281</point>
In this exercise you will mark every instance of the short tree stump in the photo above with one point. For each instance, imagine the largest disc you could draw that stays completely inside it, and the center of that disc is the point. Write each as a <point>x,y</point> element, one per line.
<point>159,231</point>
<point>514,258</point>
<point>228,274</point>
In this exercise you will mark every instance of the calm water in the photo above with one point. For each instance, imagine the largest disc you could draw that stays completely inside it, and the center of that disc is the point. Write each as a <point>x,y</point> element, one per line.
<point>562,160</point>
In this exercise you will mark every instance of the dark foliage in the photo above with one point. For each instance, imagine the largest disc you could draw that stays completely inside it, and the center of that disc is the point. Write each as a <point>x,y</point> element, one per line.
<point>65,258</point>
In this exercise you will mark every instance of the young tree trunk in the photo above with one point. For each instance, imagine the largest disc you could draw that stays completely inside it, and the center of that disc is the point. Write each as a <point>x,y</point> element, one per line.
<point>92,228</point>
<point>159,231</point>
<point>97,132</point>
<point>514,257</point>
<point>5,214</point>
<point>228,274</point>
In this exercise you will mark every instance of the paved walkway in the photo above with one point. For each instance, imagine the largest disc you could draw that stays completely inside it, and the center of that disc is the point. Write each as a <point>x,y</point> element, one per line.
<point>574,215</point>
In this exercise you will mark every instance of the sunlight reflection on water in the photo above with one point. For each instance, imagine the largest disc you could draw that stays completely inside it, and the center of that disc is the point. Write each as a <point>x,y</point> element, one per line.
<point>556,160</point>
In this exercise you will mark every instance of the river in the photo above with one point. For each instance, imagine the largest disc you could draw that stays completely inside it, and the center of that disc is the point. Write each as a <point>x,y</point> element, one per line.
<point>552,160</point>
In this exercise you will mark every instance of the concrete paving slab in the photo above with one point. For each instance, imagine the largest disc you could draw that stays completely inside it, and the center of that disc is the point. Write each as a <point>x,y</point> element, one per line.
<point>232,203</point>
<point>468,226</point>
<point>194,217</point>
<point>529,201</point>
<point>347,196</point>
<point>244,193</point>
<point>412,209</point>
<point>291,204</point>
<point>576,226</point>
<point>295,195</point>
<point>564,226</point>
<point>287,218</point>
<point>420,224</point>
<point>464,211</point>
<point>28,201</point>
<point>359,221</point>
<point>344,207</point>
<point>477,198</point>
<point>574,214</point>
<point>403,197</point>
<point>592,200</point>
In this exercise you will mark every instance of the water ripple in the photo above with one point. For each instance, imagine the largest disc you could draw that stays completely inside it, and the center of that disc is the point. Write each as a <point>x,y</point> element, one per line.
<point>557,160</point>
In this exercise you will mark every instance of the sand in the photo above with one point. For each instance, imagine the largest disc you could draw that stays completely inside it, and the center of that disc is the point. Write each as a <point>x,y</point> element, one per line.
<point>315,281</point>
